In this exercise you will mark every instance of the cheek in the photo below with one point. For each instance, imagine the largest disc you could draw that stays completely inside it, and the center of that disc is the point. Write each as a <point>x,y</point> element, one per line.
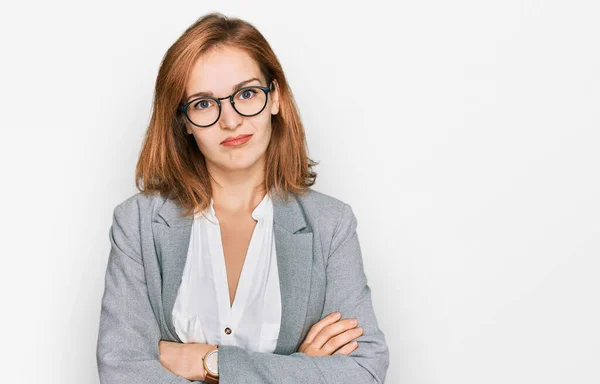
<point>265,125</point>
<point>264,134</point>
<point>205,142</point>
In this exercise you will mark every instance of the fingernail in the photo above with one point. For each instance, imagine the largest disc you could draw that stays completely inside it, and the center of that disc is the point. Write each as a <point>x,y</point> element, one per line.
<point>337,314</point>
<point>353,322</point>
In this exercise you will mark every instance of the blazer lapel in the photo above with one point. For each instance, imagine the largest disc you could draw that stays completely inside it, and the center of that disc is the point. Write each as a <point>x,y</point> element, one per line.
<point>294,249</point>
<point>171,243</point>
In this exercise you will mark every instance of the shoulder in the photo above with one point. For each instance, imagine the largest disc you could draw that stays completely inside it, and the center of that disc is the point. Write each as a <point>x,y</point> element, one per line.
<point>328,214</point>
<point>318,199</point>
<point>138,207</point>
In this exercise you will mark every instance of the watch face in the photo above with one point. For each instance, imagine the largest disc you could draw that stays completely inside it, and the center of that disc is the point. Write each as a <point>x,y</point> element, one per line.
<point>212,362</point>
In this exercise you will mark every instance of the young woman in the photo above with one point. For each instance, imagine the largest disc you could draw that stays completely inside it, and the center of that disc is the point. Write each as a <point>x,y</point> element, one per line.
<point>227,266</point>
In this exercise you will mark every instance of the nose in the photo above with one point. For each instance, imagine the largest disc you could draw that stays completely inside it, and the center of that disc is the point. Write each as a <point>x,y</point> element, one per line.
<point>229,117</point>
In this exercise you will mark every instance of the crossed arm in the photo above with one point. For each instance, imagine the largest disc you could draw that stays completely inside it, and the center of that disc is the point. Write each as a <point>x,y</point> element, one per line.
<point>129,334</point>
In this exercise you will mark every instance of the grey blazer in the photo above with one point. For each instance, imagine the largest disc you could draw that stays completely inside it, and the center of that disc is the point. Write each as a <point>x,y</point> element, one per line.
<point>320,272</point>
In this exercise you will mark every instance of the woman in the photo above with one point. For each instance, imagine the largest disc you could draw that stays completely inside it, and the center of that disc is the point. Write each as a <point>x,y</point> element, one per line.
<point>226,266</point>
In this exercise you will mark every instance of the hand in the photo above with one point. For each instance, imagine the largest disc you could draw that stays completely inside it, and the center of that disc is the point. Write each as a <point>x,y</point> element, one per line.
<point>184,360</point>
<point>328,335</point>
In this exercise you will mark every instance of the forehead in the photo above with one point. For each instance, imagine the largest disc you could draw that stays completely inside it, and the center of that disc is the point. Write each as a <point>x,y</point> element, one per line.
<point>218,70</point>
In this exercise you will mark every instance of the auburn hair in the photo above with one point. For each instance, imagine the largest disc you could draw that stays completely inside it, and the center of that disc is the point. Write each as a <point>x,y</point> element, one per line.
<point>170,162</point>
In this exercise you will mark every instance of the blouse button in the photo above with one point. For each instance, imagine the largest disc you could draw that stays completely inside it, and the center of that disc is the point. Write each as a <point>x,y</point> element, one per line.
<point>228,330</point>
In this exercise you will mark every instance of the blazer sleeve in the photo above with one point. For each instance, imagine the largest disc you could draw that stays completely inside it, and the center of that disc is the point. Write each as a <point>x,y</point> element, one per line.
<point>127,346</point>
<point>347,292</point>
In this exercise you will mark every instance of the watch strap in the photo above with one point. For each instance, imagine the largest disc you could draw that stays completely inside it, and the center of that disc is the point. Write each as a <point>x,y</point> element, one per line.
<point>210,379</point>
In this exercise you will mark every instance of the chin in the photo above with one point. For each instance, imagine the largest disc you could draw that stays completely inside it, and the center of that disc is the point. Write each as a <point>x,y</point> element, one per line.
<point>241,162</point>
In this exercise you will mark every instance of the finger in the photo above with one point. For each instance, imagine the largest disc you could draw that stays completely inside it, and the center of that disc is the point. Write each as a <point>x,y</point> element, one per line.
<point>327,320</point>
<point>346,349</point>
<point>342,339</point>
<point>332,330</point>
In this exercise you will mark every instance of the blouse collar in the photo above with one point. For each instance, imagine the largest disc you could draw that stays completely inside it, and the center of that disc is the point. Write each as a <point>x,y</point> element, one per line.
<point>263,210</point>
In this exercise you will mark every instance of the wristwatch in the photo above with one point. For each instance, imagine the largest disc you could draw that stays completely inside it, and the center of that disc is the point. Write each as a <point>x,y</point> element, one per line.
<point>211,365</point>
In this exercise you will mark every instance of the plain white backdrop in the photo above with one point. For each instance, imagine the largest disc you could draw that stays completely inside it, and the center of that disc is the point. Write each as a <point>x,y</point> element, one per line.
<point>464,134</point>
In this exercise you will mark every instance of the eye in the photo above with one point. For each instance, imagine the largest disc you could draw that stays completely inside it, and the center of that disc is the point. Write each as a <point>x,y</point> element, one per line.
<point>203,104</point>
<point>247,94</point>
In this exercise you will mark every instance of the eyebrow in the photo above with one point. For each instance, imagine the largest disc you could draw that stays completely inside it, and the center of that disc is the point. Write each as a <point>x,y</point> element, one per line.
<point>235,88</point>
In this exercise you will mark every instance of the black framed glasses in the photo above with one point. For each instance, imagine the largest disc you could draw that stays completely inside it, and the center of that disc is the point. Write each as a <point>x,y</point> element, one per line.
<point>205,111</point>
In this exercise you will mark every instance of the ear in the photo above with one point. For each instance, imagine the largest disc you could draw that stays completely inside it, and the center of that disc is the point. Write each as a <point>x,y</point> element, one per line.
<point>188,126</point>
<point>183,123</point>
<point>275,98</point>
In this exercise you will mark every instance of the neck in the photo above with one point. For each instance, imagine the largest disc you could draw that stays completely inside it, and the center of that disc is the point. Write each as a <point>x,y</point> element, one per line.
<point>237,191</point>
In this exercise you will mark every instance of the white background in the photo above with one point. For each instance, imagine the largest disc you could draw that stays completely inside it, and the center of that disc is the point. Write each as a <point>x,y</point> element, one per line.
<point>464,134</point>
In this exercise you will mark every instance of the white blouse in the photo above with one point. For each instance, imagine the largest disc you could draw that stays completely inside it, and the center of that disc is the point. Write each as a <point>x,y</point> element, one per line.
<point>202,314</point>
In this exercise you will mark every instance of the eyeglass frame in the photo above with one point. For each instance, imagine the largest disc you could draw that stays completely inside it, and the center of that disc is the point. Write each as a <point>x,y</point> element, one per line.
<point>266,90</point>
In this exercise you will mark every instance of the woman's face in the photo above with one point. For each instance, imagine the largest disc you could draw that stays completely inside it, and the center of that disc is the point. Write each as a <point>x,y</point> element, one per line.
<point>217,73</point>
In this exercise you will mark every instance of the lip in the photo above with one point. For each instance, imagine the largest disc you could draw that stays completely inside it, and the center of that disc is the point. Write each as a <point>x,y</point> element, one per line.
<point>237,140</point>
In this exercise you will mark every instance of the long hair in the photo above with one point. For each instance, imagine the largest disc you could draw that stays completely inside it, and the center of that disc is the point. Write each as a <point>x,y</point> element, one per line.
<point>170,162</point>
